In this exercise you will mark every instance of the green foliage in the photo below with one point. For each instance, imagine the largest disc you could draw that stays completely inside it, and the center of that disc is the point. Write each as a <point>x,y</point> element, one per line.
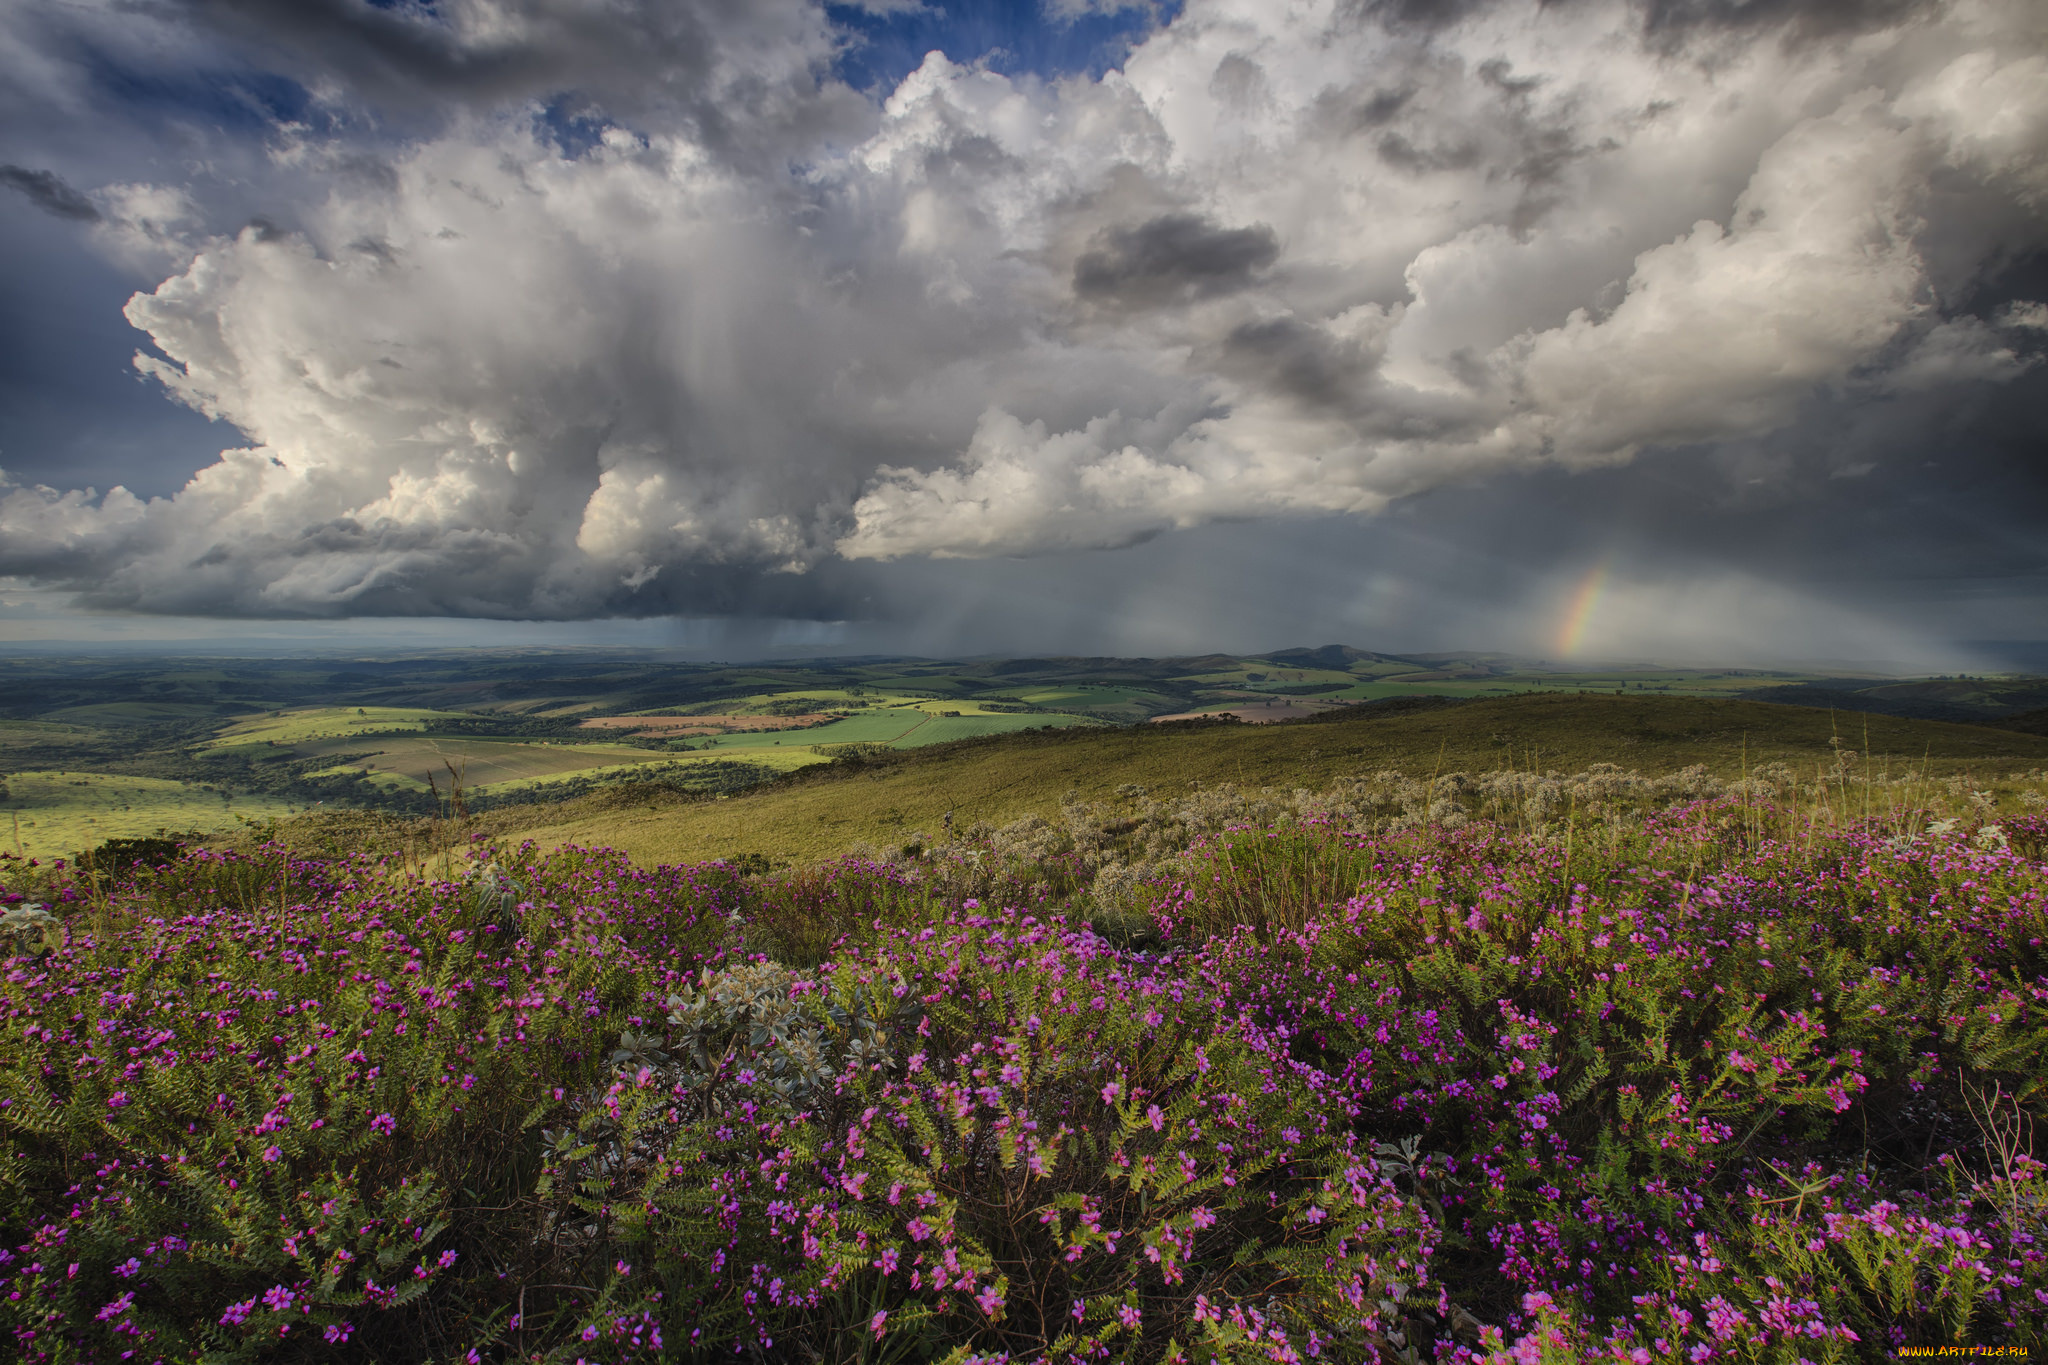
<point>1031,1157</point>
<point>324,1112</point>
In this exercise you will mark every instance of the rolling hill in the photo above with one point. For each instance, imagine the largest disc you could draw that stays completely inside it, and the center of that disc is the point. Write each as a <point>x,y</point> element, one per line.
<point>826,810</point>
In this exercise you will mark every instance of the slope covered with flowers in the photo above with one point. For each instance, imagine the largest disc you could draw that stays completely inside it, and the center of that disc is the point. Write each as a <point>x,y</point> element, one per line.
<point>1698,1086</point>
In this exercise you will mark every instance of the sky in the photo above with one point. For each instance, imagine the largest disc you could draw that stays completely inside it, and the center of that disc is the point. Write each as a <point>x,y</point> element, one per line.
<point>1690,330</point>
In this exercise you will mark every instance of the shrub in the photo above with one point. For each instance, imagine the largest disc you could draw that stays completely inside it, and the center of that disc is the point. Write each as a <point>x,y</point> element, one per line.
<point>1706,1082</point>
<point>989,1136</point>
<point>256,1130</point>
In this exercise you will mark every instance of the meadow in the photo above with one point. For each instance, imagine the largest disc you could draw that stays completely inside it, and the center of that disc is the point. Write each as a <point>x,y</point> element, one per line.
<point>883,801</point>
<point>52,814</point>
<point>1456,1066</point>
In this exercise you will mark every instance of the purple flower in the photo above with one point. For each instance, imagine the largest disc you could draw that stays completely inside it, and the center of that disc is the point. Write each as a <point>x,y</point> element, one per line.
<point>384,1124</point>
<point>272,1153</point>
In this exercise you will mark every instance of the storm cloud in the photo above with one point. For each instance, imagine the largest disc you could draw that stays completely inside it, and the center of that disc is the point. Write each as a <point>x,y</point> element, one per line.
<point>556,310</point>
<point>49,193</point>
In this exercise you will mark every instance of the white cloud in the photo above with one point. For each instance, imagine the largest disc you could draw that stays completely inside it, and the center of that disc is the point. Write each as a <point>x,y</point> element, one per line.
<point>1068,11</point>
<point>1289,261</point>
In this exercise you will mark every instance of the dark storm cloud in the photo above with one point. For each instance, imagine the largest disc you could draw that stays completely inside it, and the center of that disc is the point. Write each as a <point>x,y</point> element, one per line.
<point>745,75</point>
<point>415,54</point>
<point>1425,14</point>
<point>1290,357</point>
<point>1175,258</point>
<point>1668,21</point>
<point>1396,150</point>
<point>49,193</point>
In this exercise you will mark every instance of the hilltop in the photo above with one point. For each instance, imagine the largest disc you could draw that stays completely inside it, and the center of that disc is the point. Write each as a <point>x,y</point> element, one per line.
<point>885,800</point>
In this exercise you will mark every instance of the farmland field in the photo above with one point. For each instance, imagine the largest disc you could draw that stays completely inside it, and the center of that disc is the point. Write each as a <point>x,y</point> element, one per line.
<point>131,713</point>
<point>541,725</point>
<point>1106,702</point>
<point>705,723</point>
<point>660,767</point>
<point>481,762</point>
<point>901,726</point>
<point>330,722</point>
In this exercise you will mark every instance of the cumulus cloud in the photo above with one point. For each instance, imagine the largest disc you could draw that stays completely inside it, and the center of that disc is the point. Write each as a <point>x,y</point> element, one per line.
<point>1288,261</point>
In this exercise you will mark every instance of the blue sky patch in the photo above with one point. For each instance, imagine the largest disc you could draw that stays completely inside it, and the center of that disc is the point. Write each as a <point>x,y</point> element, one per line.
<point>1014,35</point>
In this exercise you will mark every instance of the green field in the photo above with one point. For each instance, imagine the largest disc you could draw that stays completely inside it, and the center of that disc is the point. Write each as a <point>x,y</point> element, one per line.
<point>822,699</point>
<point>22,734</point>
<point>659,767</point>
<point>132,713</point>
<point>900,726</point>
<point>1108,702</point>
<point>1003,779</point>
<point>480,762</point>
<point>60,813</point>
<point>330,722</point>
<point>394,749</point>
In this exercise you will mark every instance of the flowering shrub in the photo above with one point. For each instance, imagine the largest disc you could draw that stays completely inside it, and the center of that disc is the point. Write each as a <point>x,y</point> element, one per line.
<point>1674,1087</point>
<point>1607,1059</point>
<point>1030,1147</point>
<point>236,1128</point>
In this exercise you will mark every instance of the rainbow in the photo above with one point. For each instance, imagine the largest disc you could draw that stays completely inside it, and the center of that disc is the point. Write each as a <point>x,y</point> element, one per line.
<point>1579,611</point>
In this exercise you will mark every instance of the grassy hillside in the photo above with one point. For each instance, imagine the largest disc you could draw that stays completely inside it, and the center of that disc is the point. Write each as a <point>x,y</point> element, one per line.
<point>330,722</point>
<point>1003,779</point>
<point>54,813</point>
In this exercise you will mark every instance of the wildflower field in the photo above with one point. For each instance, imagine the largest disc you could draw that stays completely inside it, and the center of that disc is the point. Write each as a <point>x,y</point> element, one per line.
<point>1459,1070</point>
